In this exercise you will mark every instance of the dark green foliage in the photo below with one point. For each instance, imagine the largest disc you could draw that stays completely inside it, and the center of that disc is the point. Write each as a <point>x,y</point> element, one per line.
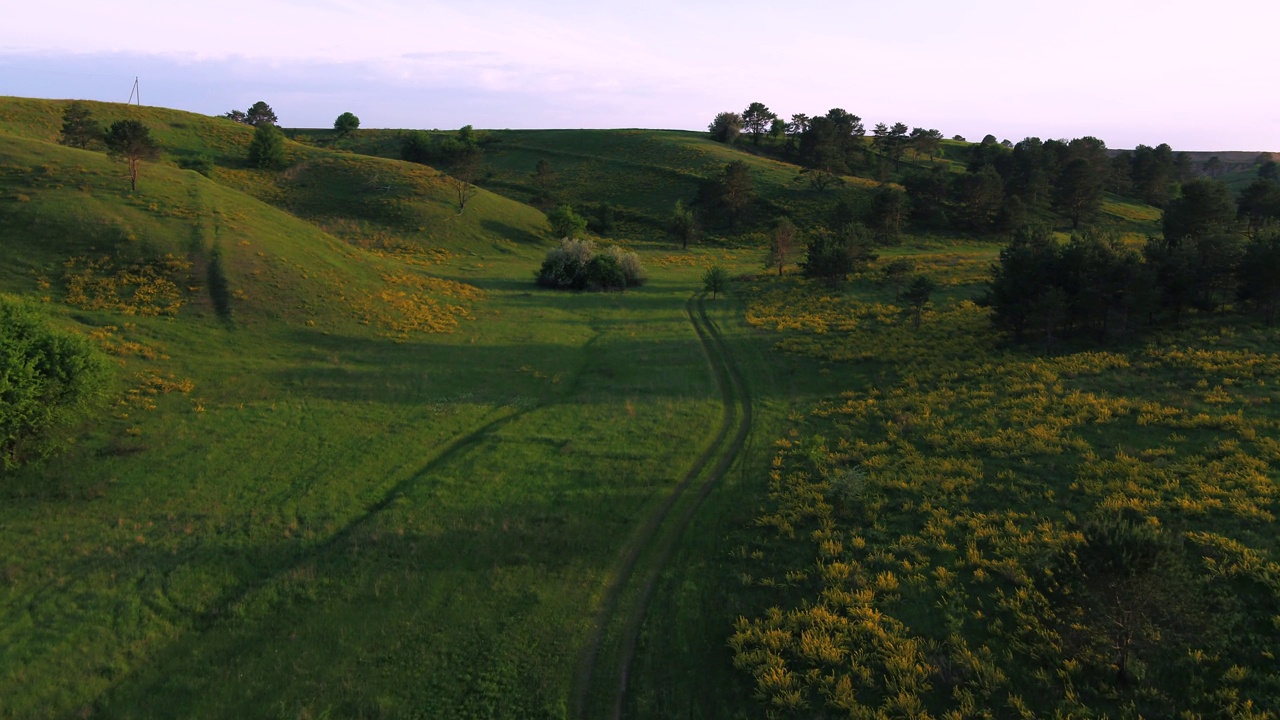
<point>132,141</point>
<point>1268,170</point>
<point>1259,204</point>
<point>219,286</point>
<point>544,181</point>
<point>730,195</point>
<point>565,223</point>
<point>259,114</point>
<point>927,194</point>
<point>436,148</point>
<point>266,150</point>
<point>346,124</point>
<point>888,213</point>
<point>79,129</point>
<point>1259,274</point>
<point>757,120</point>
<point>202,164</point>
<point>683,225</point>
<point>831,256</point>
<point>977,197</point>
<point>895,274</point>
<point>830,146</point>
<point>48,380</point>
<point>890,142</point>
<point>604,272</point>
<point>603,219</point>
<point>917,296</point>
<point>726,127</point>
<point>578,265</point>
<point>1203,208</point>
<point>1078,192</point>
<point>715,280</point>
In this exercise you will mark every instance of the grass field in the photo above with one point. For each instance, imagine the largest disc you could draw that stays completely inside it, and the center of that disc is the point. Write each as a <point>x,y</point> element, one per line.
<point>399,480</point>
<point>396,483</point>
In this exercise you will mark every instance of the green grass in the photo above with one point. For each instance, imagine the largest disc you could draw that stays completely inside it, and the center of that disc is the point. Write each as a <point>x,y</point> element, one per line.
<point>331,516</point>
<point>399,480</point>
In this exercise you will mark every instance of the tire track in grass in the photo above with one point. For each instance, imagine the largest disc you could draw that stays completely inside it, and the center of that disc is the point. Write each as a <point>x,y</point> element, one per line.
<point>663,528</point>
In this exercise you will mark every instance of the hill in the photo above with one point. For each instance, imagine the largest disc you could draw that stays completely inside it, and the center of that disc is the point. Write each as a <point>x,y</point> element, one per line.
<point>390,451</point>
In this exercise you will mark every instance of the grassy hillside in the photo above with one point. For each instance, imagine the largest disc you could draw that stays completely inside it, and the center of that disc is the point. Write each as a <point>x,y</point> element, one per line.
<point>395,482</point>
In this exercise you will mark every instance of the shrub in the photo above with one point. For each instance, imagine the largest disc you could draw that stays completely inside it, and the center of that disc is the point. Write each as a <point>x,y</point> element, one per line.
<point>577,265</point>
<point>565,223</point>
<point>47,380</point>
<point>202,164</point>
<point>266,150</point>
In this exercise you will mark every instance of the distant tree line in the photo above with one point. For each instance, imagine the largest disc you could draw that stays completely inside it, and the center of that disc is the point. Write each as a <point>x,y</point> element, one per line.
<point>1211,255</point>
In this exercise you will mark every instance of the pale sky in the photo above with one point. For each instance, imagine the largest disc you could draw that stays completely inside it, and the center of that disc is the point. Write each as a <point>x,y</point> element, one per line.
<point>1197,75</point>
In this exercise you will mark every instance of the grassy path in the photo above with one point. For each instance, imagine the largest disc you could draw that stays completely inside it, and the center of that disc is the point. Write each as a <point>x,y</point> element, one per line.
<point>622,610</point>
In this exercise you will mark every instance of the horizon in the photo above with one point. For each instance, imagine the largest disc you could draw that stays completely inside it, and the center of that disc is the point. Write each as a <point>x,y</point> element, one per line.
<point>496,65</point>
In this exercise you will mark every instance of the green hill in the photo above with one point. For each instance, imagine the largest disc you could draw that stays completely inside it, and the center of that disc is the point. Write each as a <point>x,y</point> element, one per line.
<point>393,453</point>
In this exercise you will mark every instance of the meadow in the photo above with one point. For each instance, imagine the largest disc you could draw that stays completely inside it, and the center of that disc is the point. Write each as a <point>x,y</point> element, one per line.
<point>395,478</point>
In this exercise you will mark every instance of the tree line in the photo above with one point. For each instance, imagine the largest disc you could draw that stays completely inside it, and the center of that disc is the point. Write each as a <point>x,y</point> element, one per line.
<point>1209,258</point>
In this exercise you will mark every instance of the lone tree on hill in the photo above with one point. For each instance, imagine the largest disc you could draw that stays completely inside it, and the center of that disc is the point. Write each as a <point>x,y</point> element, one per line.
<point>757,119</point>
<point>260,113</point>
<point>266,150</point>
<point>726,127</point>
<point>684,225</point>
<point>715,280</point>
<point>346,124</point>
<point>462,175</point>
<point>79,129</point>
<point>131,140</point>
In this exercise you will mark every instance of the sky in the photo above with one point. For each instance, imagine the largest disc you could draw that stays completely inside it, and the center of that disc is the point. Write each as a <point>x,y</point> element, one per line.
<point>1197,75</point>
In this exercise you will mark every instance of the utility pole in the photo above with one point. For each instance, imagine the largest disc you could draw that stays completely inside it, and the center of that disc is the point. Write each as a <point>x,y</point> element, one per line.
<point>136,92</point>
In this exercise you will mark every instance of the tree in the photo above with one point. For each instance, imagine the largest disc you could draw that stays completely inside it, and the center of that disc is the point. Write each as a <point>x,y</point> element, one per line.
<point>731,193</point>
<point>266,149</point>
<point>132,141</point>
<point>565,223</point>
<point>799,124</point>
<point>895,274</point>
<point>462,174</point>
<point>1078,193</point>
<point>715,280</point>
<point>1268,170</point>
<point>1203,208</point>
<point>1259,204</point>
<point>237,116</point>
<point>726,127</point>
<point>888,213</point>
<point>757,119</point>
<point>978,197</point>
<point>777,128</point>
<point>683,225</point>
<point>260,113</point>
<point>832,257</point>
<point>782,245</point>
<point>79,129</point>
<point>48,378</point>
<point>346,124</point>
<point>1025,272</point>
<point>917,296</point>
<point>1260,274</point>
<point>925,142</point>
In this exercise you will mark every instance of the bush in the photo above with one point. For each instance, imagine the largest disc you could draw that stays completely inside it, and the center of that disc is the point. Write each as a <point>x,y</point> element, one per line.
<point>202,164</point>
<point>47,381</point>
<point>565,223</point>
<point>577,265</point>
<point>266,150</point>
